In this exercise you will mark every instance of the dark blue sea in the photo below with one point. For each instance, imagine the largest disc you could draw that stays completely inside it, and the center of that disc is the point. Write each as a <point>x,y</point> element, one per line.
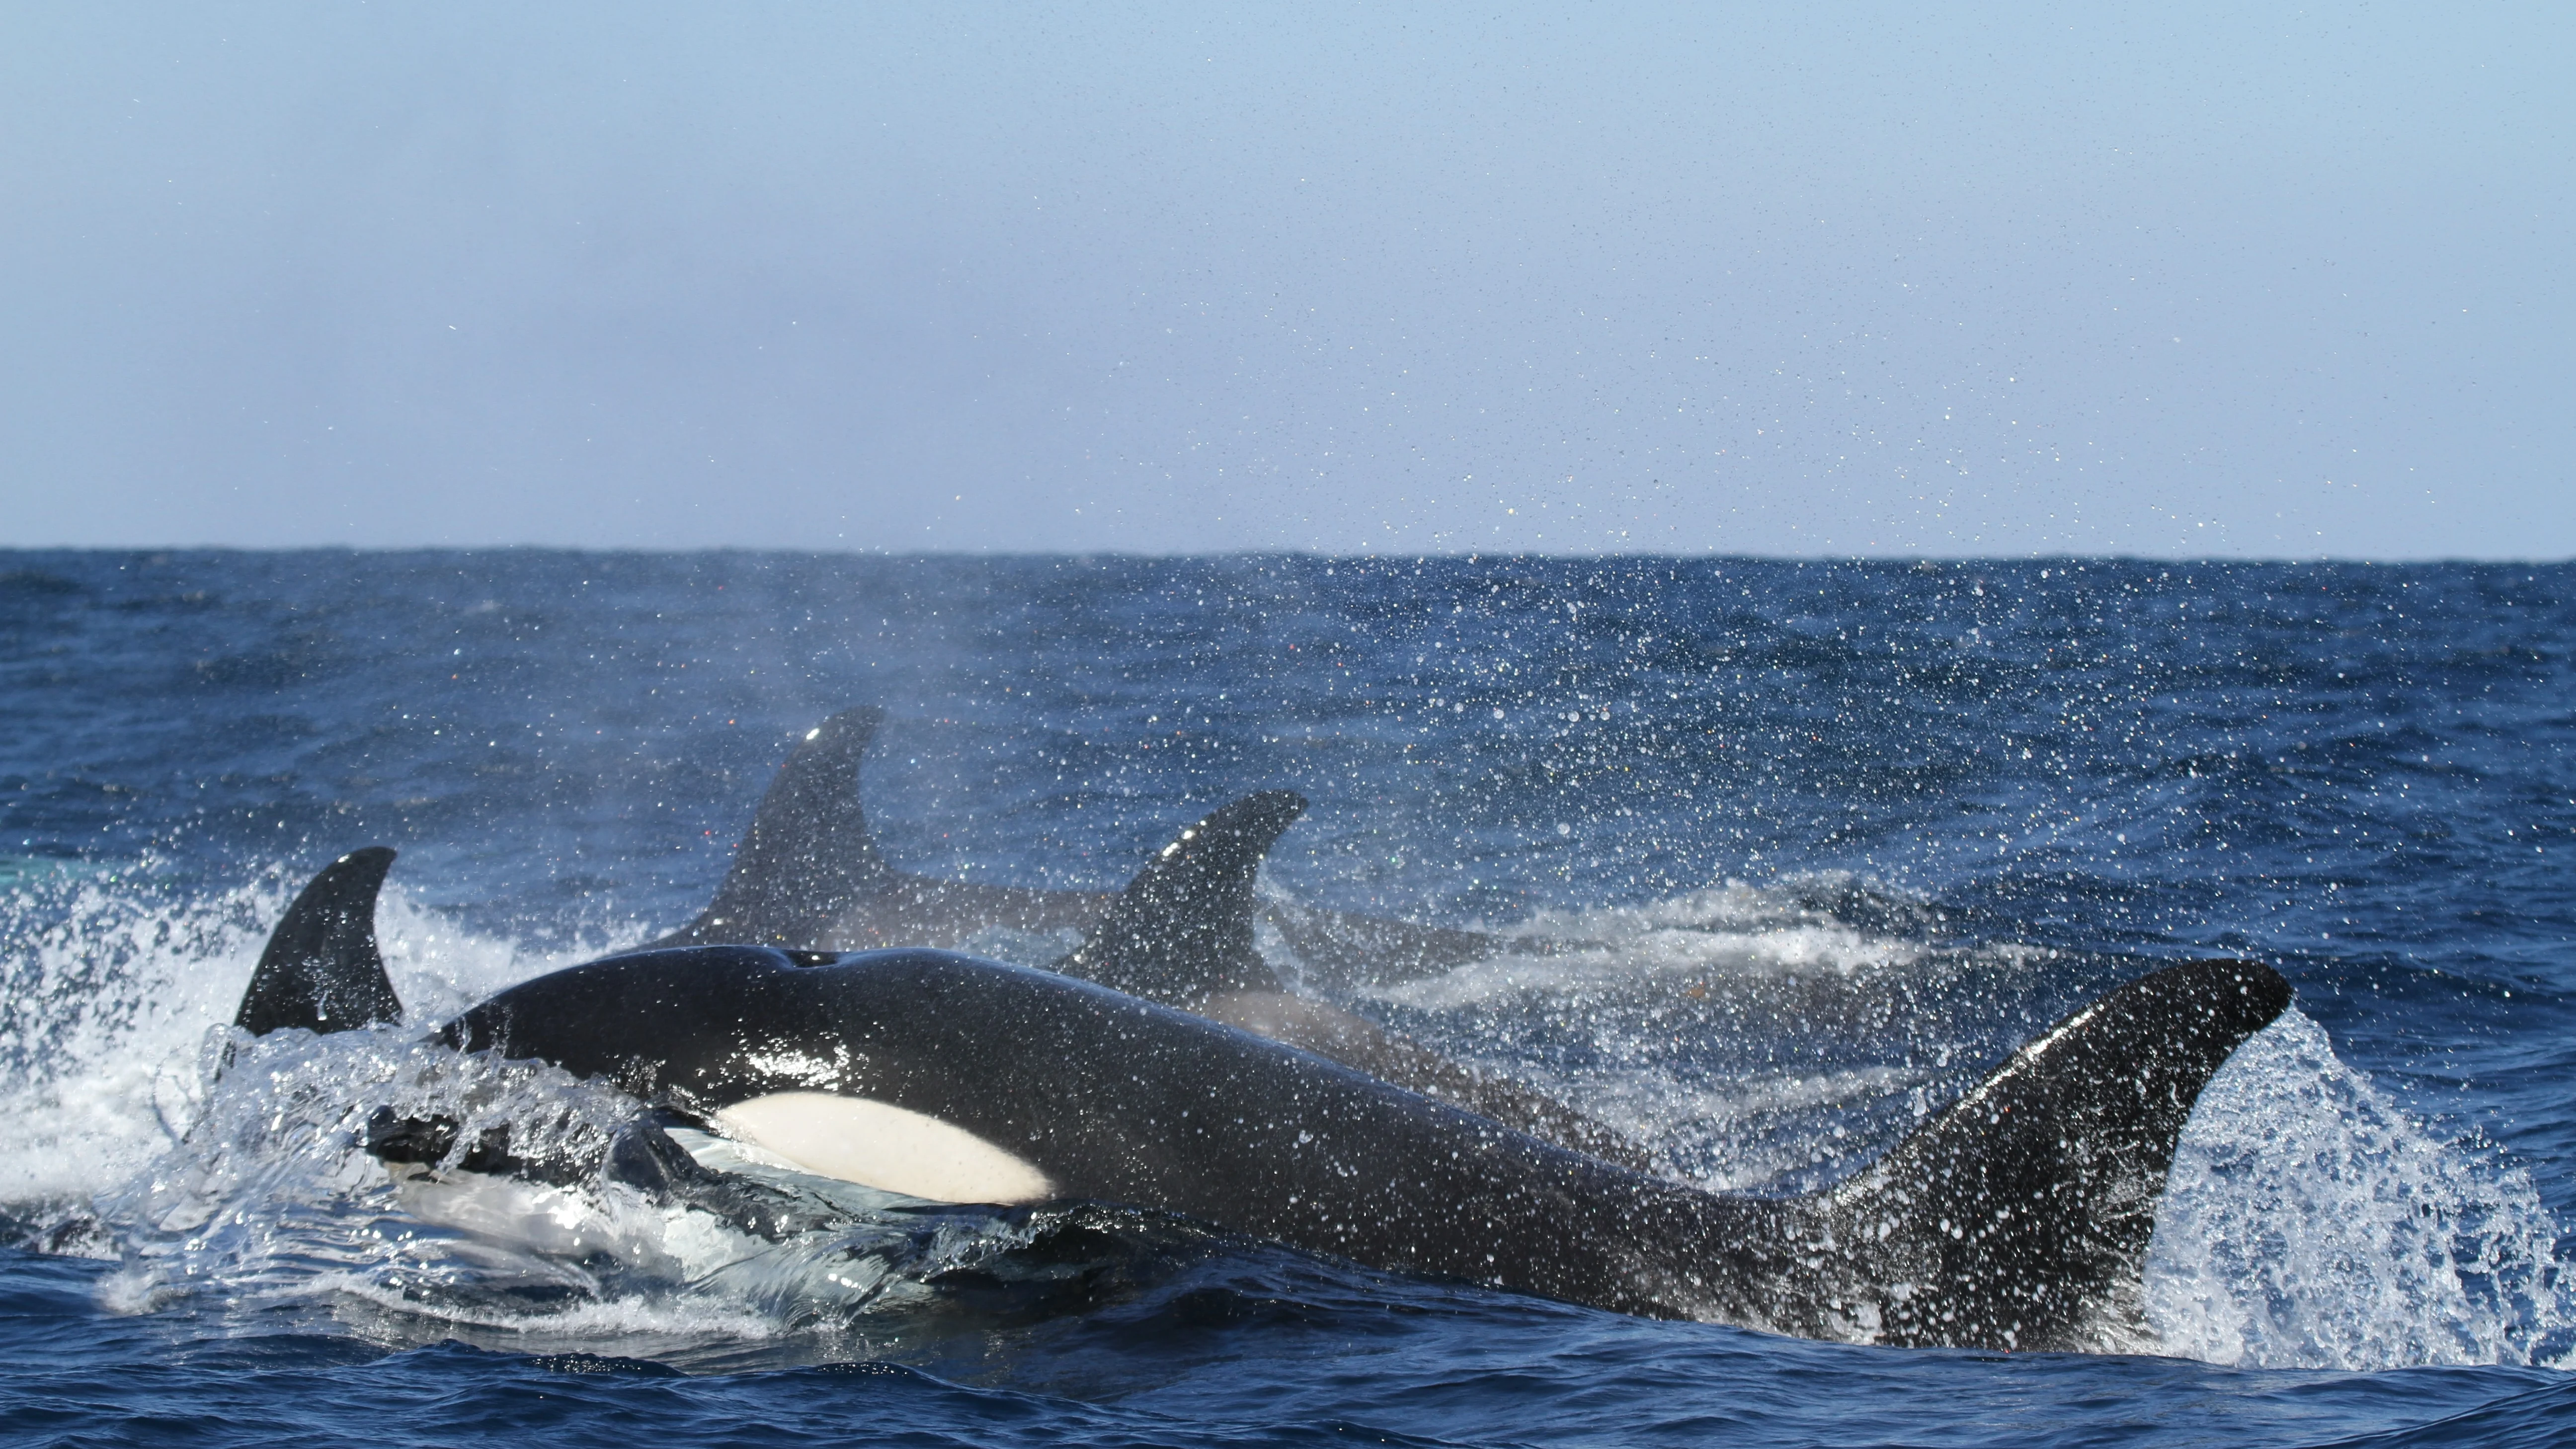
<point>1839,836</point>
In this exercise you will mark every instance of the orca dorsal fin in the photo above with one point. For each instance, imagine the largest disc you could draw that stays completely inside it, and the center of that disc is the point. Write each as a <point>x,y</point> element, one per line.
<point>321,969</point>
<point>807,856</point>
<point>1182,931</point>
<point>2020,1216</point>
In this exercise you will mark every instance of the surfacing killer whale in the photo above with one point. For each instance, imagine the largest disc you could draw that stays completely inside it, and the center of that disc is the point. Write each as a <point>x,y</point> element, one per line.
<point>2017,1218</point>
<point>808,876</point>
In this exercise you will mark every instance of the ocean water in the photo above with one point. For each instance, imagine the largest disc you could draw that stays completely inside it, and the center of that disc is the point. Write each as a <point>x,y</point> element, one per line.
<point>1842,836</point>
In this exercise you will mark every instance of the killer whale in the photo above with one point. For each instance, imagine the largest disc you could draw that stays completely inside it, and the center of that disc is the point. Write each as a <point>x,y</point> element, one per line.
<point>808,875</point>
<point>1181,934</point>
<point>321,970</point>
<point>2014,1219</point>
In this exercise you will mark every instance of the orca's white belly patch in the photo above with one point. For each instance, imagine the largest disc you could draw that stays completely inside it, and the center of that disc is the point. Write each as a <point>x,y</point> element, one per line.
<point>881,1145</point>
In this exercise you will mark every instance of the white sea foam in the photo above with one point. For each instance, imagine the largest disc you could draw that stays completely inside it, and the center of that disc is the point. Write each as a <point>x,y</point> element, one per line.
<point>107,1007</point>
<point>2311,1223</point>
<point>269,1205</point>
<point>103,1025</point>
<point>1730,930</point>
<point>1835,949</point>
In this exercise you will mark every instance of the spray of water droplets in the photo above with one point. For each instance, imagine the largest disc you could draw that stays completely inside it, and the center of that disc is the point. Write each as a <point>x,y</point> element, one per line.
<point>2310,1223</point>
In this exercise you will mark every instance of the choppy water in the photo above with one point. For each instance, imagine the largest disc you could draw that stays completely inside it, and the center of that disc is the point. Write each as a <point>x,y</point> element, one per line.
<point>1844,835</point>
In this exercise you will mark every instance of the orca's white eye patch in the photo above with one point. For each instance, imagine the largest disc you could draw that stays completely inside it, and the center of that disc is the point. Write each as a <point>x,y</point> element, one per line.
<point>880,1145</point>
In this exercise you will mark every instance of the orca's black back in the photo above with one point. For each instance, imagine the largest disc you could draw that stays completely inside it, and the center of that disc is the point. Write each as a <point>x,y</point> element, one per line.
<point>1121,1100</point>
<point>2009,1221</point>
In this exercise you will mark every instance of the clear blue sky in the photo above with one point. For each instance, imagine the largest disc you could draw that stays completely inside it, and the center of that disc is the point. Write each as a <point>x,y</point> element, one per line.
<point>1985,280</point>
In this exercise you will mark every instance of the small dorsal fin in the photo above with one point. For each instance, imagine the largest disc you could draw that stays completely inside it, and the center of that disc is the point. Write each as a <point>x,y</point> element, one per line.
<point>1183,930</point>
<point>807,856</point>
<point>321,970</point>
<point>2023,1211</point>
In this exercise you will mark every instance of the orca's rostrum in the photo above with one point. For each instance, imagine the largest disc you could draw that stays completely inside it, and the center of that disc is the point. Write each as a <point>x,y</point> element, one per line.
<point>2015,1219</point>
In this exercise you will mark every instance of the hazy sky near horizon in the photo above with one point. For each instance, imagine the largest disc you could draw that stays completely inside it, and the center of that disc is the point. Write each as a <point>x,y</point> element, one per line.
<point>1906,279</point>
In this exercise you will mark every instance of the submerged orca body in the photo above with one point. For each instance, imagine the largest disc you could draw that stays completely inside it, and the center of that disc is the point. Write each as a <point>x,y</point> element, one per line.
<point>809,876</point>
<point>2015,1219</point>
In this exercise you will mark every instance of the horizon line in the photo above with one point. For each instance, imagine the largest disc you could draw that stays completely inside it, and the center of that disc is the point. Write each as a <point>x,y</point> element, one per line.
<point>1319,555</point>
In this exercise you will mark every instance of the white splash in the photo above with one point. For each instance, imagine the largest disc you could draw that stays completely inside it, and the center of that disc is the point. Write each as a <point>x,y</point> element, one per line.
<point>107,1012</point>
<point>270,1207</point>
<point>247,1193</point>
<point>1732,929</point>
<point>2310,1223</point>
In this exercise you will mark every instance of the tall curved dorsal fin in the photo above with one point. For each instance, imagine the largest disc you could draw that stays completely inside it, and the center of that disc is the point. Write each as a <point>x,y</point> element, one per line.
<point>2023,1211</point>
<point>1183,930</point>
<point>321,970</point>
<point>807,856</point>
